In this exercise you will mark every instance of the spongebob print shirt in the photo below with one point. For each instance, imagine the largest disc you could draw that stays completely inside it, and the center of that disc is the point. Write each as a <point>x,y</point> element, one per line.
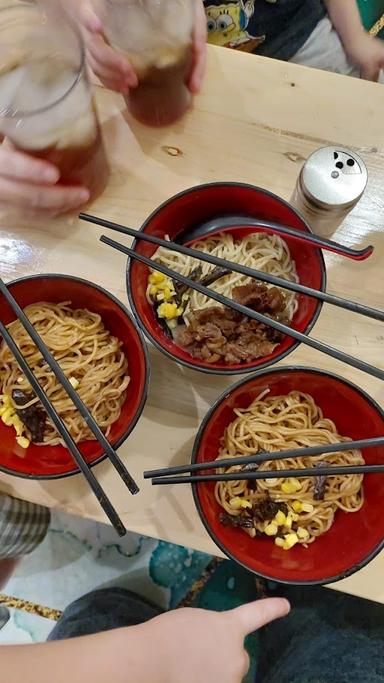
<point>273,28</point>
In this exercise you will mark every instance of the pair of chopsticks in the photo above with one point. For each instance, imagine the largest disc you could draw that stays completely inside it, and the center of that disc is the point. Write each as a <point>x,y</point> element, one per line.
<point>251,272</point>
<point>166,475</point>
<point>56,419</point>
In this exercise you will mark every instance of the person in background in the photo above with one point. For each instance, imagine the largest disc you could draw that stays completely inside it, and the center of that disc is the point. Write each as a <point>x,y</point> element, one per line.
<point>23,526</point>
<point>324,34</point>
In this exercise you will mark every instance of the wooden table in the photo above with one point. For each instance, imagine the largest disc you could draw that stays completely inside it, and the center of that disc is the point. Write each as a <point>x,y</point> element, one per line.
<point>256,121</point>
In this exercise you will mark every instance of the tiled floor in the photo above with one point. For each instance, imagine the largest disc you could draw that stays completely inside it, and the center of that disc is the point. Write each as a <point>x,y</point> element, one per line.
<point>78,556</point>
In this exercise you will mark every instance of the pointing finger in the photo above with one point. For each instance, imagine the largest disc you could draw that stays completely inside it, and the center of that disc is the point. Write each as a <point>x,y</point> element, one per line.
<point>254,615</point>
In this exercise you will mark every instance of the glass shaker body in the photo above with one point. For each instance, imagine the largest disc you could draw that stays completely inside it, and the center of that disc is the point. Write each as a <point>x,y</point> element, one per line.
<point>329,186</point>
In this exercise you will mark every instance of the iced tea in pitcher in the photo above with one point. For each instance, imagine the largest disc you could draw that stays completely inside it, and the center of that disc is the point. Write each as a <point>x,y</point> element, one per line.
<point>156,37</point>
<point>46,106</point>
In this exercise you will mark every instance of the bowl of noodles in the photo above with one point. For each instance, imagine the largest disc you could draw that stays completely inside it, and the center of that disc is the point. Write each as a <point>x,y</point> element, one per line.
<point>193,329</point>
<point>102,352</point>
<point>295,530</point>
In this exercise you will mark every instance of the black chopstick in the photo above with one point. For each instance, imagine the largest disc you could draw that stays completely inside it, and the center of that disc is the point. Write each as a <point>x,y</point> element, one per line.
<point>353,306</point>
<point>64,433</point>
<point>284,329</point>
<point>74,396</point>
<point>330,471</point>
<point>259,458</point>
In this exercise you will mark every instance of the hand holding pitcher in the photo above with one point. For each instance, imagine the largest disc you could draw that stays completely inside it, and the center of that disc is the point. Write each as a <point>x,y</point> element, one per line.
<point>155,50</point>
<point>53,158</point>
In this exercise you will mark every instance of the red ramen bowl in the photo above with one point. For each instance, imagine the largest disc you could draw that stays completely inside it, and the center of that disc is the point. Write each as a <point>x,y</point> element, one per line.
<point>195,206</point>
<point>355,538</point>
<point>53,462</point>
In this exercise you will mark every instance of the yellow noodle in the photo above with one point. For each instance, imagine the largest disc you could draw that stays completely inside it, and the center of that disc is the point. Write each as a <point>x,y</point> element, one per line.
<point>283,423</point>
<point>86,352</point>
<point>258,250</point>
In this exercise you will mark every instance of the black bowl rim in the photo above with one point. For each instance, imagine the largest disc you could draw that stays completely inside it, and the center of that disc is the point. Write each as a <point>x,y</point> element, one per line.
<point>195,366</point>
<point>282,368</point>
<point>147,377</point>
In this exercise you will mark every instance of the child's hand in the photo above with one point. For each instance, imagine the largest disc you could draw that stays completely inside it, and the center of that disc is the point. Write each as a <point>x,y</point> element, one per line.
<point>29,185</point>
<point>367,53</point>
<point>195,646</point>
<point>108,64</point>
<point>111,67</point>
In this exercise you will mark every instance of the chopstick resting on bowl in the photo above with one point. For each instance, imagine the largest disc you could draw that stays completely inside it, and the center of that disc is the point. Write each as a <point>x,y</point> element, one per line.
<point>352,306</point>
<point>330,471</point>
<point>244,310</point>
<point>259,458</point>
<point>64,433</point>
<point>73,395</point>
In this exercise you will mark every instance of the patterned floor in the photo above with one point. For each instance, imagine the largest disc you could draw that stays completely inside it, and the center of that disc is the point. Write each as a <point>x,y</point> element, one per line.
<point>78,556</point>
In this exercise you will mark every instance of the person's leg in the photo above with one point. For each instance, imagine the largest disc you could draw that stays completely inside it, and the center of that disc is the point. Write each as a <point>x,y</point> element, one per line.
<point>323,50</point>
<point>103,610</point>
<point>23,526</point>
<point>328,637</point>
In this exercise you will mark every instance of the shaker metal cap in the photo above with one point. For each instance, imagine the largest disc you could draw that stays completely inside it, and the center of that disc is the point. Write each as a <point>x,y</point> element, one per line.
<point>334,177</point>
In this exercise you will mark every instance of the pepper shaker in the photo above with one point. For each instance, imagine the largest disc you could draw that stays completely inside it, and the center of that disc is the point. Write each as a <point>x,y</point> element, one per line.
<point>329,186</point>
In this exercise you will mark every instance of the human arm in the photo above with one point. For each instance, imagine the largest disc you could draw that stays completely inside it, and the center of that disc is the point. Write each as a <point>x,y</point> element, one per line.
<point>363,50</point>
<point>188,645</point>
<point>111,67</point>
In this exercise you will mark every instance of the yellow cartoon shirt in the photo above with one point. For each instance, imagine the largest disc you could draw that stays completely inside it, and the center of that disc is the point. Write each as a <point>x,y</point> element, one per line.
<point>274,28</point>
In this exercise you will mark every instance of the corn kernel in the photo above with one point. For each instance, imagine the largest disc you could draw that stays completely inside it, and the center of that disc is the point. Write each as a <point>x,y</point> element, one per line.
<point>295,482</point>
<point>302,533</point>
<point>246,504</point>
<point>74,382</point>
<point>280,518</point>
<point>307,507</point>
<point>271,529</point>
<point>279,542</point>
<point>19,427</point>
<point>291,485</point>
<point>7,417</point>
<point>168,311</point>
<point>155,278</point>
<point>23,441</point>
<point>235,503</point>
<point>289,541</point>
<point>297,505</point>
<point>288,521</point>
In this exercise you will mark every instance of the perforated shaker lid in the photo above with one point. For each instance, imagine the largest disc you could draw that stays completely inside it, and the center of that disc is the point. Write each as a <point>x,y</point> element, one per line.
<point>334,177</point>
